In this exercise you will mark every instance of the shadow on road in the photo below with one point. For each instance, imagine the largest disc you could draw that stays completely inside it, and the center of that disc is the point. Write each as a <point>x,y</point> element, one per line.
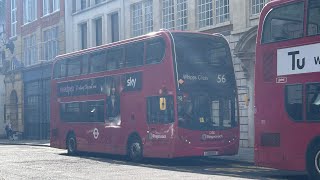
<point>208,166</point>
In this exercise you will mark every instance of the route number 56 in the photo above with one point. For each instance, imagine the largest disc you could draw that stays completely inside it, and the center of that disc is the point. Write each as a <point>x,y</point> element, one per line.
<point>221,78</point>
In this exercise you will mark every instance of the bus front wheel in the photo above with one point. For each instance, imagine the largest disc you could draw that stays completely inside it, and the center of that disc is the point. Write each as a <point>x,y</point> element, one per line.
<point>313,162</point>
<point>72,145</point>
<point>135,149</point>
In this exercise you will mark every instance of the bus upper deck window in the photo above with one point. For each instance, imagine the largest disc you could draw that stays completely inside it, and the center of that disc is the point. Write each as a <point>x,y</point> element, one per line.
<point>134,54</point>
<point>155,51</point>
<point>284,23</point>
<point>313,17</point>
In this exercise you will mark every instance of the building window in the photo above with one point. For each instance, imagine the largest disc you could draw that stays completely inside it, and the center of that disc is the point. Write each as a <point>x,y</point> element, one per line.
<point>168,14</point>
<point>141,18</point>
<point>136,19</point>
<point>46,7</point>
<point>222,11</point>
<point>114,27</point>
<point>182,15</point>
<point>74,6</point>
<point>50,44</point>
<point>99,1</point>
<point>55,5</point>
<point>13,18</point>
<point>83,4</point>
<point>205,13</point>
<point>30,50</point>
<point>30,11</point>
<point>98,31</point>
<point>257,5</point>
<point>148,16</point>
<point>175,14</point>
<point>83,36</point>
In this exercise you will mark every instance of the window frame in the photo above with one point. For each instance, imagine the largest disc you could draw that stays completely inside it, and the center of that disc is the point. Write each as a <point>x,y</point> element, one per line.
<point>30,11</point>
<point>45,7</point>
<point>306,119</point>
<point>30,55</point>
<point>307,22</point>
<point>13,9</point>
<point>83,35</point>
<point>51,42</point>
<point>255,6</point>
<point>263,41</point>
<point>83,113</point>
<point>221,8</point>
<point>55,6</point>
<point>302,101</point>
<point>153,41</point>
<point>150,113</point>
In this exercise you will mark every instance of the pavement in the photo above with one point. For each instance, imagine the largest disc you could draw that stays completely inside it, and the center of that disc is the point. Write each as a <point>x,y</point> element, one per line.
<point>245,154</point>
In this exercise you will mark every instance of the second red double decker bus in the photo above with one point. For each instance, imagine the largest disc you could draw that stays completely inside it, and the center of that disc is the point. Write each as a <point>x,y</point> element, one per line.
<point>287,86</point>
<point>165,94</point>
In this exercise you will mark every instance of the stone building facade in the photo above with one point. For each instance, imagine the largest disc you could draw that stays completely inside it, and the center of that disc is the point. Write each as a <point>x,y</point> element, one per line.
<point>35,28</point>
<point>2,56</point>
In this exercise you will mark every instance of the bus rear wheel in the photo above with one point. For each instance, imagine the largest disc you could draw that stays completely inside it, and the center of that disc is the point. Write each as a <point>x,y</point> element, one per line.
<point>135,149</point>
<point>313,162</point>
<point>72,145</point>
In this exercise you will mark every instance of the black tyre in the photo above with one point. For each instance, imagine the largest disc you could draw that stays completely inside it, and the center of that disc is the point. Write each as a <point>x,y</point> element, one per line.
<point>313,162</point>
<point>135,149</point>
<point>72,145</point>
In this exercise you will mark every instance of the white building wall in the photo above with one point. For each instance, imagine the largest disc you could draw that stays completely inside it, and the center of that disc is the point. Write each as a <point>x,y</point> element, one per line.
<point>104,10</point>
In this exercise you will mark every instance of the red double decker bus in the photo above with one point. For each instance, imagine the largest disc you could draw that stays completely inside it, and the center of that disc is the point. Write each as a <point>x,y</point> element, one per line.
<point>287,86</point>
<point>165,94</point>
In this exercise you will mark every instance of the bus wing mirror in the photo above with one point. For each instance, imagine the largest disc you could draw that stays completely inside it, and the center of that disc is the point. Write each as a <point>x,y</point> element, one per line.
<point>163,104</point>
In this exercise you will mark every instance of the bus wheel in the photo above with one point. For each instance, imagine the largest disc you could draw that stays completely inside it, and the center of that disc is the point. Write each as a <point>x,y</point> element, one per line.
<point>135,149</point>
<point>72,145</point>
<point>313,162</point>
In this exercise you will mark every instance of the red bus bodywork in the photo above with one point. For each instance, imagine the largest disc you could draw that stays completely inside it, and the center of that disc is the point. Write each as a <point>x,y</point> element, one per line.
<point>159,140</point>
<point>280,141</point>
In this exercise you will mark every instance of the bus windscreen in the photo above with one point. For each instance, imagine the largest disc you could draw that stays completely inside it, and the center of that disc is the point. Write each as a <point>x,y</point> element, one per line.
<point>206,93</point>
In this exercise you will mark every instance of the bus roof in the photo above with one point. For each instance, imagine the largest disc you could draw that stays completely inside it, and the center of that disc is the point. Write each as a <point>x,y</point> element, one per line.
<point>146,36</point>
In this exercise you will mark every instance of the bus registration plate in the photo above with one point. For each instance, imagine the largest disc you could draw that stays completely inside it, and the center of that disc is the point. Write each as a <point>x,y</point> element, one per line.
<point>211,153</point>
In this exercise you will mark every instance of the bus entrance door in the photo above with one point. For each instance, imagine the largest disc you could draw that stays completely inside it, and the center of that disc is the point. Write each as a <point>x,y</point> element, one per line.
<point>160,134</point>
